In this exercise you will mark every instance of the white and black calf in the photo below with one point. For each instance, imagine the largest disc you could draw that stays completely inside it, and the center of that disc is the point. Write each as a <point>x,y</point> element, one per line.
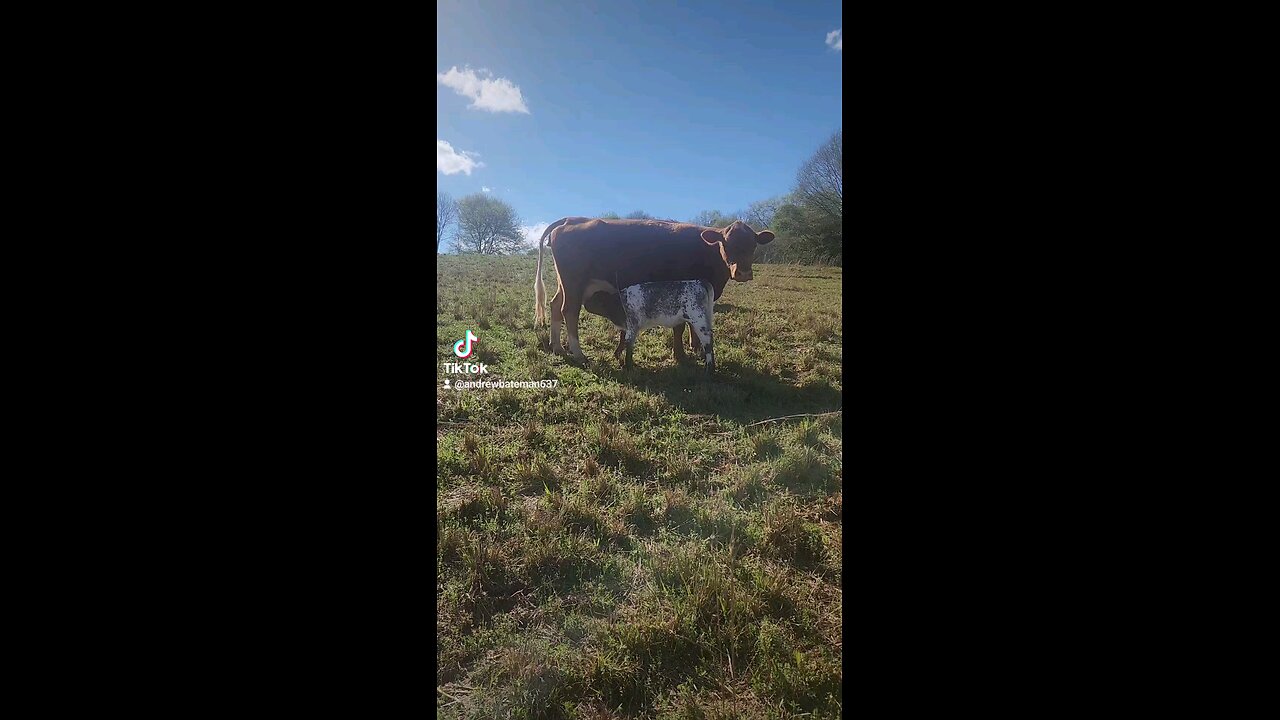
<point>665,304</point>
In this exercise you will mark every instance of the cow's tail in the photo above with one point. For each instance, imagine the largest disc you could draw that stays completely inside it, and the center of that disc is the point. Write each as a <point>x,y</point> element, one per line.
<point>539,288</point>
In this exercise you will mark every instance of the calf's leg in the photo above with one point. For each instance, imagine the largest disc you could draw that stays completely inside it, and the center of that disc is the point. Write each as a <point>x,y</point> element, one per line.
<point>695,343</point>
<point>677,342</point>
<point>629,335</point>
<point>703,332</point>
<point>622,341</point>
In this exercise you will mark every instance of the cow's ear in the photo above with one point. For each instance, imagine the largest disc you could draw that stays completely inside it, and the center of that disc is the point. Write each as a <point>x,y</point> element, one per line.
<point>711,237</point>
<point>764,237</point>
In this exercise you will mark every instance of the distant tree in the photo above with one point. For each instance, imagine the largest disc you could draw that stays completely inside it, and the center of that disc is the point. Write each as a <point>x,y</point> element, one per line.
<point>446,215</point>
<point>640,215</point>
<point>807,235</point>
<point>611,216</point>
<point>820,182</point>
<point>712,218</point>
<point>760,214</point>
<point>811,221</point>
<point>487,225</point>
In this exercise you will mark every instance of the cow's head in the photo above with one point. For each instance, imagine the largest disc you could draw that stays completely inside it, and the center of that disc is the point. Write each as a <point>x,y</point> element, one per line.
<point>737,245</point>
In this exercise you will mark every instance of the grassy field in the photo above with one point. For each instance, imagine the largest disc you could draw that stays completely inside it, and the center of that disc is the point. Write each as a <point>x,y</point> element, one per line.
<point>626,545</point>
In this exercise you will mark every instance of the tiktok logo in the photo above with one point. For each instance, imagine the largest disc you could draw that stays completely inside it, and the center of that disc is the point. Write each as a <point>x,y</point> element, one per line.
<point>458,348</point>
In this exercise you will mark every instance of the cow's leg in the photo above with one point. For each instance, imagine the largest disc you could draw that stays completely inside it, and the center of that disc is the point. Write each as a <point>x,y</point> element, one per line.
<point>677,341</point>
<point>572,311</point>
<point>557,314</point>
<point>695,343</point>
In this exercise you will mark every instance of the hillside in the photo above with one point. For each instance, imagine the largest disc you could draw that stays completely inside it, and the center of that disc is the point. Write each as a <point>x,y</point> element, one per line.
<point>629,544</point>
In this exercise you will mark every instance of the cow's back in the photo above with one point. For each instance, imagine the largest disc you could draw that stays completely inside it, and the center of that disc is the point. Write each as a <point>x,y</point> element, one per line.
<point>629,252</point>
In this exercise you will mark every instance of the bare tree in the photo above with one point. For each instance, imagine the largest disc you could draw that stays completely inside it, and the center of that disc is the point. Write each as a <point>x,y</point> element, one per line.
<point>487,225</point>
<point>820,182</point>
<point>446,215</point>
<point>640,215</point>
<point>760,214</point>
<point>712,218</point>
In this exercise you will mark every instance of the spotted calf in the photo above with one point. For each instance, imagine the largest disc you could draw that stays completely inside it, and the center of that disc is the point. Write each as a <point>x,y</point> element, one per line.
<point>665,304</point>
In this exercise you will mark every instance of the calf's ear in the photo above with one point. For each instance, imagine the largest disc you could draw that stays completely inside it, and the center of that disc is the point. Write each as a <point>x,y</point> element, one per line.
<point>711,237</point>
<point>764,237</point>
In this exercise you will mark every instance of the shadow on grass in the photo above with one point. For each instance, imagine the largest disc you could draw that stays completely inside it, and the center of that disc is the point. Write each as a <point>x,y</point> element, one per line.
<point>736,393</point>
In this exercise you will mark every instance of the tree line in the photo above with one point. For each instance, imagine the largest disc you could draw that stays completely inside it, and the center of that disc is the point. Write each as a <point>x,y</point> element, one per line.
<point>807,221</point>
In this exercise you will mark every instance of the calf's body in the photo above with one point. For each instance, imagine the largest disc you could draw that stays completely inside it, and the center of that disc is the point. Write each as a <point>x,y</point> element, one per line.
<point>664,304</point>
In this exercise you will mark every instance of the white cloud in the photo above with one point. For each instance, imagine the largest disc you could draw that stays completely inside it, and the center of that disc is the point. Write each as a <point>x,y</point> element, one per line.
<point>500,95</point>
<point>835,39</point>
<point>486,188</point>
<point>452,162</point>
<point>533,233</point>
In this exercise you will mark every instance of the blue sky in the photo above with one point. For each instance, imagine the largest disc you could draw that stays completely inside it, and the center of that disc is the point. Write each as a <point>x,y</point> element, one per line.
<point>580,108</point>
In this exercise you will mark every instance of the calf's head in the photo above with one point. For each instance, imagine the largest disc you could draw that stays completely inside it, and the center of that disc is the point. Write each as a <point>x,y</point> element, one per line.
<point>606,304</point>
<point>737,244</point>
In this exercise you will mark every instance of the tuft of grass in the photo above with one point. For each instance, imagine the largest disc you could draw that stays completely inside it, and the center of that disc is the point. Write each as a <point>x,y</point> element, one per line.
<point>808,434</point>
<point>598,489</point>
<point>679,468</point>
<point>482,503</point>
<point>528,679</point>
<point>677,509</point>
<point>750,485</point>
<point>806,681</point>
<point>637,510</point>
<point>531,431</point>
<point>484,465</point>
<point>787,536</point>
<point>831,508</point>
<point>507,315</point>
<point>764,444</point>
<point>579,514</point>
<point>802,469</point>
<point>817,328</point>
<point>505,402</point>
<point>470,444</point>
<point>561,559</point>
<point>717,521</point>
<point>615,448</point>
<point>535,477</point>
<point>449,542</point>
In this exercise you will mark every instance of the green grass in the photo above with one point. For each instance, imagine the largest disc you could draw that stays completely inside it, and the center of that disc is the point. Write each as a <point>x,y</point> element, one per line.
<point>629,545</point>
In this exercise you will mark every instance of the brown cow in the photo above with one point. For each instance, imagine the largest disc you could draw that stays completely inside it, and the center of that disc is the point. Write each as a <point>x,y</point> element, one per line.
<point>596,255</point>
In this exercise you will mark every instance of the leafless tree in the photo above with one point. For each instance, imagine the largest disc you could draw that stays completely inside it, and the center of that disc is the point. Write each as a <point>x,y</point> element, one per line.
<point>712,218</point>
<point>446,215</point>
<point>487,225</point>
<point>820,182</point>
<point>760,214</point>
